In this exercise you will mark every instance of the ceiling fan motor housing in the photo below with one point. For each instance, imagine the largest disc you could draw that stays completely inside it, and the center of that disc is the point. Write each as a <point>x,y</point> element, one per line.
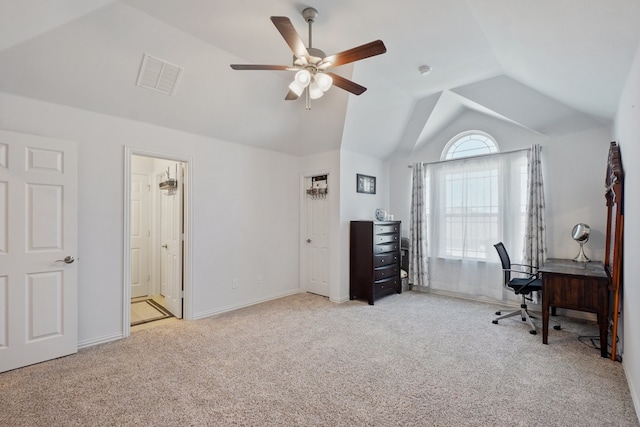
<point>316,53</point>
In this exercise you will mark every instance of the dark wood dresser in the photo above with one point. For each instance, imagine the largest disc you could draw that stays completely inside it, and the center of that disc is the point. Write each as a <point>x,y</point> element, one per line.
<point>375,259</point>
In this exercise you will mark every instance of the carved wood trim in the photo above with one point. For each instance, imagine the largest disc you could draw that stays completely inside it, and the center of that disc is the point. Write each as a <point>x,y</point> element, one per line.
<point>614,194</point>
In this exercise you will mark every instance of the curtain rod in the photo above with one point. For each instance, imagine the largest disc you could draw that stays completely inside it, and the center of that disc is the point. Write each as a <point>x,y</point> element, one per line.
<point>475,157</point>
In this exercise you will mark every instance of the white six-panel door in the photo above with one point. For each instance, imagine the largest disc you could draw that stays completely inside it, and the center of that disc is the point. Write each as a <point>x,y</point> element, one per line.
<point>140,235</point>
<point>38,245</point>
<point>316,266</point>
<point>171,247</point>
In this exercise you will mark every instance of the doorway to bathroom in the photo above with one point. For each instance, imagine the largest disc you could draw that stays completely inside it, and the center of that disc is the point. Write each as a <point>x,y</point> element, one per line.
<point>156,220</point>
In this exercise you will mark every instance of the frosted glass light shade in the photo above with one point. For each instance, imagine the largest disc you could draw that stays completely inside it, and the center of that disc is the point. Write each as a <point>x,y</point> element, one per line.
<point>303,78</point>
<point>296,88</point>
<point>314,91</point>
<point>324,81</point>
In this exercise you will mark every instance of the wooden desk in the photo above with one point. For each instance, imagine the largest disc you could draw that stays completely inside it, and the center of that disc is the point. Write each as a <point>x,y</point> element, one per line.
<point>576,286</point>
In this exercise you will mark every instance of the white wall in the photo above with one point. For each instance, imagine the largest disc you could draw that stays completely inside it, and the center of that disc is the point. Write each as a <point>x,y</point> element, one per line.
<point>245,203</point>
<point>574,168</point>
<point>354,205</point>
<point>627,133</point>
<point>574,172</point>
<point>359,206</point>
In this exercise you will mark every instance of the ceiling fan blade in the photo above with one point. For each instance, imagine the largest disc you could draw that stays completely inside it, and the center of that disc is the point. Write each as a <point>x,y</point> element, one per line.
<point>357,53</point>
<point>291,96</point>
<point>260,67</point>
<point>346,84</point>
<point>284,25</point>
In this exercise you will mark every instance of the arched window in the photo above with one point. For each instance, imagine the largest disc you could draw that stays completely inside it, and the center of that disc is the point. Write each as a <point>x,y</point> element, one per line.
<point>473,198</point>
<point>468,144</point>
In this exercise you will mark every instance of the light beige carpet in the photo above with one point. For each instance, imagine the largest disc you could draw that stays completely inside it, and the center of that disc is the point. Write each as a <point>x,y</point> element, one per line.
<point>411,360</point>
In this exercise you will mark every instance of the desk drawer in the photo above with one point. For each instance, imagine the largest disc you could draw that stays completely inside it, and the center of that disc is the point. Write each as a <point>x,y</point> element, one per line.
<point>575,292</point>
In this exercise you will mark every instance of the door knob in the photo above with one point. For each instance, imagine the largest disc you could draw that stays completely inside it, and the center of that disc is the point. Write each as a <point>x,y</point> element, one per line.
<point>66,260</point>
<point>308,240</point>
<point>165,246</point>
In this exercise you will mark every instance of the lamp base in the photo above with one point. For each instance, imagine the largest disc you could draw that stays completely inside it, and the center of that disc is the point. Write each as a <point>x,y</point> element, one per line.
<point>581,257</point>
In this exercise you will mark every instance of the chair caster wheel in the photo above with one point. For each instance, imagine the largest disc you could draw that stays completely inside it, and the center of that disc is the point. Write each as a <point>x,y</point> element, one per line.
<point>557,327</point>
<point>533,332</point>
<point>498,313</point>
<point>495,322</point>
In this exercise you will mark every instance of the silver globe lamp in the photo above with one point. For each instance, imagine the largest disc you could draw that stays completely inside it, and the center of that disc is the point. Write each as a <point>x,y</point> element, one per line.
<point>580,234</point>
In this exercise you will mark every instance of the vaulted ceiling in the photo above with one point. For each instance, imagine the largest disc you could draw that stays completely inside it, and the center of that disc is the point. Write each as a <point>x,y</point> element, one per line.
<point>551,66</point>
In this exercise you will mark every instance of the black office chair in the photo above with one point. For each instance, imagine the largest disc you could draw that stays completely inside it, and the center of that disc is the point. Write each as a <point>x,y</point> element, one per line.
<point>520,286</point>
<point>404,253</point>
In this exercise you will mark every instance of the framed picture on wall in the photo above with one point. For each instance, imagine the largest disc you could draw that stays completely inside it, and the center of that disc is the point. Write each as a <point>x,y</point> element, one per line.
<point>365,184</point>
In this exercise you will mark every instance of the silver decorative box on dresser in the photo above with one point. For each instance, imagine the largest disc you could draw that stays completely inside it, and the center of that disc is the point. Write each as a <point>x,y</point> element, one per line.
<point>375,259</point>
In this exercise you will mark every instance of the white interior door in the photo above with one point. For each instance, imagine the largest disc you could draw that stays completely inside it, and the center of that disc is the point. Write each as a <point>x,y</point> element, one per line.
<point>38,232</point>
<point>171,246</point>
<point>316,255</point>
<point>140,235</point>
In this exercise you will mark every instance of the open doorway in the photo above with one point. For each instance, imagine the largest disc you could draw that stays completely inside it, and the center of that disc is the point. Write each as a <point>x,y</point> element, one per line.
<point>156,252</point>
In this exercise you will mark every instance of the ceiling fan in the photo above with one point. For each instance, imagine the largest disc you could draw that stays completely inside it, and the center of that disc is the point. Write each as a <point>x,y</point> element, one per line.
<point>312,65</point>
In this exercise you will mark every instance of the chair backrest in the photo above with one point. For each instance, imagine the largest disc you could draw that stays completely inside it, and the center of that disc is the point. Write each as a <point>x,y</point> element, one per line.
<point>404,254</point>
<point>505,260</point>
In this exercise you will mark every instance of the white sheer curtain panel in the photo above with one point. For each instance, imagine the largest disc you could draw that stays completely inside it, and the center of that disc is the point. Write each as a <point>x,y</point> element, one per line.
<point>475,203</point>
<point>418,247</point>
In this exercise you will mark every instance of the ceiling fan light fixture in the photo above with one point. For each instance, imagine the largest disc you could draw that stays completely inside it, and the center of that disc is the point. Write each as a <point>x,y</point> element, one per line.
<point>303,78</point>
<point>311,64</point>
<point>315,91</point>
<point>324,81</point>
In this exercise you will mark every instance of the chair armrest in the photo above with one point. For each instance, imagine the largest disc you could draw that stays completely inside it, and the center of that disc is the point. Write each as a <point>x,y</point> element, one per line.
<point>522,272</point>
<point>527,265</point>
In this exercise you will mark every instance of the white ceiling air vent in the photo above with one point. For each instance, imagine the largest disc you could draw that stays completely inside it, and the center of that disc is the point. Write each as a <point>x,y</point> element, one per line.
<point>159,75</point>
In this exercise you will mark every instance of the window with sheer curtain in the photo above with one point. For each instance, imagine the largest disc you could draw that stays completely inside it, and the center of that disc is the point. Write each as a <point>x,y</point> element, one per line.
<point>474,202</point>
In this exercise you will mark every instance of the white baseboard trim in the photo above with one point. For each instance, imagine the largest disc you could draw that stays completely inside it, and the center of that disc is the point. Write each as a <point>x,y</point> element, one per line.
<point>228,308</point>
<point>340,300</point>
<point>633,391</point>
<point>100,340</point>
